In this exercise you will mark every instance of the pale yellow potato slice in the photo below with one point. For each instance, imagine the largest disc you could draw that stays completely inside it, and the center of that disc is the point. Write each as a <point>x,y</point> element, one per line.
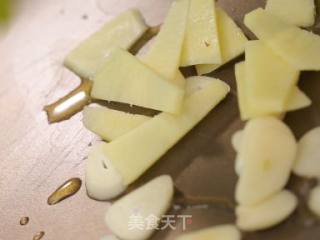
<point>297,12</point>
<point>146,144</point>
<point>298,47</point>
<point>129,156</point>
<point>296,100</point>
<point>267,153</point>
<point>123,31</point>
<point>268,213</point>
<point>151,200</point>
<point>201,44</point>
<point>196,83</point>
<point>307,162</point>
<point>222,232</point>
<point>314,201</point>
<point>165,53</point>
<point>232,41</point>
<point>269,78</point>
<point>247,110</point>
<point>110,124</point>
<point>126,79</point>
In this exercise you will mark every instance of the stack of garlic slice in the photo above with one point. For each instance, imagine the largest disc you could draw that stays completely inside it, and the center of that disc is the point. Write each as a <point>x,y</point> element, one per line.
<point>151,200</point>
<point>267,89</point>
<point>307,164</point>
<point>266,154</point>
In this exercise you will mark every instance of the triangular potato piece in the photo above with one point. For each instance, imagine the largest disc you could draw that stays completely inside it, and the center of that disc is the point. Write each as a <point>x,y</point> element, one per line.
<point>124,78</point>
<point>201,45</point>
<point>296,100</point>
<point>232,41</point>
<point>165,53</point>
<point>269,78</point>
<point>297,12</point>
<point>141,152</point>
<point>111,124</point>
<point>298,47</point>
<point>123,31</point>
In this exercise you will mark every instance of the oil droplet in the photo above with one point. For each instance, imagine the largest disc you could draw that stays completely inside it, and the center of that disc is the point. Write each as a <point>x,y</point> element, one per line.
<point>38,235</point>
<point>70,104</point>
<point>24,221</point>
<point>66,190</point>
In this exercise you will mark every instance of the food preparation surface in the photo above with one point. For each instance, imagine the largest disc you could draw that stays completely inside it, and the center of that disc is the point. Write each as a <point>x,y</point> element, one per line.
<point>36,158</point>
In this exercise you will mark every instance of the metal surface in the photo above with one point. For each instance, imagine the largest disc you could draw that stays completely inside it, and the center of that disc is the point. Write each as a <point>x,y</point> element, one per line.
<point>36,157</point>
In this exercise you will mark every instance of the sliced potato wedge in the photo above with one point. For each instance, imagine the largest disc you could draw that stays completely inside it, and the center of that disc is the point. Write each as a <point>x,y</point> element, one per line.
<point>110,124</point>
<point>137,84</point>
<point>297,12</point>
<point>297,99</point>
<point>201,44</point>
<point>297,46</point>
<point>133,153</point>
<point>123,31</point>
<point>232,41</point>
<point>269,78</point>
<point>164,54</point>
